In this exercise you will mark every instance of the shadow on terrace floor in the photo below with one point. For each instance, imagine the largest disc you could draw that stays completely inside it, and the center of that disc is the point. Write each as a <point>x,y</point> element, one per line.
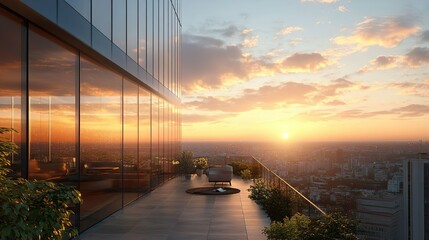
<point>170,213</point>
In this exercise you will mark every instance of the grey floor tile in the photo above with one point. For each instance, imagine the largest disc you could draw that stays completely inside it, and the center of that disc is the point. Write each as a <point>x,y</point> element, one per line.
<point>170,213</point>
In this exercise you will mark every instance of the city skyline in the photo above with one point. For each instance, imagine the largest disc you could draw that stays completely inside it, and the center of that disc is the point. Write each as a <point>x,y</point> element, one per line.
<point>319,70</point>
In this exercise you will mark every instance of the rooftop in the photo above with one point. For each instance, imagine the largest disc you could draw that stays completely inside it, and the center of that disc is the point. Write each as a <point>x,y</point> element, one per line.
<point>169,212</point>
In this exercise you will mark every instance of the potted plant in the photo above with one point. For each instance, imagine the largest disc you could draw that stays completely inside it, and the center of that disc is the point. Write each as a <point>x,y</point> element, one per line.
<point>201,164</point>
<point>185,165</point>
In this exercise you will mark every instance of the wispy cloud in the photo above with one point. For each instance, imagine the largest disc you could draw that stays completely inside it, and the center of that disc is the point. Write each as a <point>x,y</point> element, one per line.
<point>277,96</point>
<point>382,63</point>
<point>250,42</point>
<point>418,56</point>
<point>288,30</point>
<point>425,36</point>
<point>412,88</point>
<point>294,41</point>
<point>384,32</point>
<point>303,62</point>
<point>208,63</point>
<point>198,118</point>
<point>320,1</point>
<point>342,8</point>
<point>404,112</point>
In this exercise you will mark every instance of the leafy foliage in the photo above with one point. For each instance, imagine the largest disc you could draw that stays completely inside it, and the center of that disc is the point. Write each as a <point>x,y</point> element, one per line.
<point>278,206</point>
<point>200,163</point>
<point>33,209</point>
<point>240,167</point>
<point>294,228</point>
<point>185,164</point>
<point>276,203</point>
<point>335,226</point>
<point>299,227</point>
<point>259,192</point>
<point>246,174</point>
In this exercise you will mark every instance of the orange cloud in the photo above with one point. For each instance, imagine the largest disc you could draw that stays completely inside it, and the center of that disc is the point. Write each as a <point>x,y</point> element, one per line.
<point>209,64</point>
<point>418,56</point>
<point>250,42</point>
<point>206,60</point>
<point>405,112</point>
<point>303,62</point>
<point>384,32</point>
<point>413,88</point>
<point>272,97</point>
<point>381,63</point>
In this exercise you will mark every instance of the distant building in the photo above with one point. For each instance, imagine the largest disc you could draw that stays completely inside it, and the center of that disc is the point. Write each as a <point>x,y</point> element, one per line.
<point>393,186</point>
<point>379,217</point>
<point>416,199</point>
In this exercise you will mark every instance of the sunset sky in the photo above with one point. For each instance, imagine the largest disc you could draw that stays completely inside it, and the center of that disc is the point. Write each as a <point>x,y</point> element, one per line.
<point>319,70</point>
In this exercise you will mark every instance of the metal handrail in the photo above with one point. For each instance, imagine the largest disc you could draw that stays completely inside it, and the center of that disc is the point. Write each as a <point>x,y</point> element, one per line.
<point>291,187</point>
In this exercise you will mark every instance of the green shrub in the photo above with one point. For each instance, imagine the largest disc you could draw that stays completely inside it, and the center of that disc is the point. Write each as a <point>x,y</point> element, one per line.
<point>256,171</point>
<point>294,228</point>
<point>238,166</point>
<point>246,174</point>
<point>33,209</point>
<point>184,163</point>
<point>334,226</point>
<point>259,192</point>
<point>278,205</point>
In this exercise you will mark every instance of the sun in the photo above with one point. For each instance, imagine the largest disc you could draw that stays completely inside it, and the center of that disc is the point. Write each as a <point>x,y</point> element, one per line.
<point>285,135</point>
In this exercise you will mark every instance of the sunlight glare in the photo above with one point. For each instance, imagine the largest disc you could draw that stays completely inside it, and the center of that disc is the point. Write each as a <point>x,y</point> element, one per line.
<point>285,135</point>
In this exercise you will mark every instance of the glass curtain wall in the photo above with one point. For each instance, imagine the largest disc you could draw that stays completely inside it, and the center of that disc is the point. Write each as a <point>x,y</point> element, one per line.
<point>142,20</point>
<point>101,142</point>
<point>87,124</point>
<point>155,164</point>
<point>130,143</point>
<point>52,75</point>
<point>150,36</point>
<point>120,24</point>
<point>102,17</point>
<point>162,159</point>
<point>144,140</point>
<point>132,38</point>
<point>12,82</point>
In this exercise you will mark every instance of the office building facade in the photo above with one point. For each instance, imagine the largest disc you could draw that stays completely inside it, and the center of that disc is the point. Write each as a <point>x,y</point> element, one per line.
<point>93,89</point>
<point>416,198</point>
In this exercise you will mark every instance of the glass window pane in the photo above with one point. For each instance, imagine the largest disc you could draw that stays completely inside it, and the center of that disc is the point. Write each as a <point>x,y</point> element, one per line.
<point>165,43</point>
<point>101,142</point>
<point>132,29</point>
<point>144,140</point>
<point>162,159</point>
<point>102,17</point>
<point>155,142</point>
<point>150,37</point>
<point>156,40</point>
<point>130,161</point>
<point>119,24</point>
<point>52,105</point>
<point>11,80</point>
<point>82,6</point>
<point>142,33</point>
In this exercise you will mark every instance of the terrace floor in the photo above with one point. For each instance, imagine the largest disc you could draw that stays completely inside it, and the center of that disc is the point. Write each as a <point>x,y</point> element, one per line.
<point>169,212</point>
